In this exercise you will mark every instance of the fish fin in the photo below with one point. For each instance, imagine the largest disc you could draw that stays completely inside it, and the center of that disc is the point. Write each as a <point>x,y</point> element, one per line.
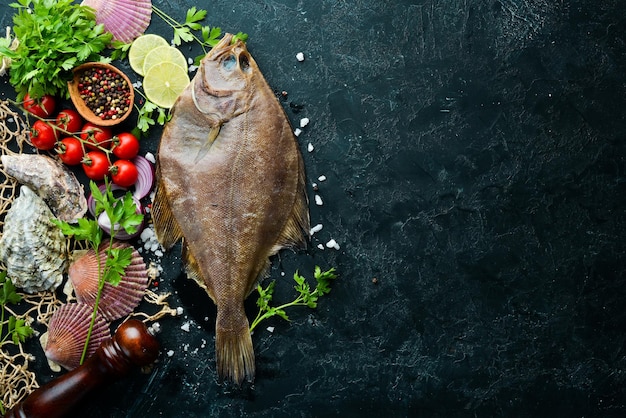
<point>193,270</point>
<point>296,231</point>
<point>234,353</point>
<point>165,225</point>
<point>213,133</point>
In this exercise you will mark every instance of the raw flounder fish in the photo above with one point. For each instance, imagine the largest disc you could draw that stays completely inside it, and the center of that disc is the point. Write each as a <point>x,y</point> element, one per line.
<point>230,183</point>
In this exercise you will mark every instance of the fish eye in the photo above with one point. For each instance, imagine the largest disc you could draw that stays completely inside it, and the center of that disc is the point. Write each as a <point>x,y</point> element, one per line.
<point>244,64</point>
<point>229,63</point>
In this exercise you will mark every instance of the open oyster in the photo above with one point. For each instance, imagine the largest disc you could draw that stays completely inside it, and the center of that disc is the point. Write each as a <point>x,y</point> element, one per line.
<point>31,246</point>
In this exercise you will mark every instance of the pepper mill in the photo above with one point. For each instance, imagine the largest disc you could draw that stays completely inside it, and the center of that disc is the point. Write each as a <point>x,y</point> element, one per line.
<point>131,346</point>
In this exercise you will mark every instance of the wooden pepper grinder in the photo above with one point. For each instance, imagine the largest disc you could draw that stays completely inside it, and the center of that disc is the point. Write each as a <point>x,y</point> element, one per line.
<point>131,346</point>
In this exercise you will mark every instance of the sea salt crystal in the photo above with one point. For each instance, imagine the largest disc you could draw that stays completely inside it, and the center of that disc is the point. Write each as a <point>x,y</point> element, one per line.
<point>304,122</point>
<point>179,310</point>
<point>185,326</point>
<point>270,329</point>
<point>300,56</point>
<point>155,328</point>
<point>322,178</point>
<point>332,244</point>
<point>190,61</point>
<point>316,228</point>
<point>170,353</point>
<point>320,246</point>
<point>310,147</point>
<point>297,132</point>
<point>150,157</point>
<point>192,68</point>
<point>318,200</point>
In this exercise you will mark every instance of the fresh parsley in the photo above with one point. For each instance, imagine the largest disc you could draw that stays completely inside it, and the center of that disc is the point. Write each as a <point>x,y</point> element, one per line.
<point>306,296</point>
<point>54,37</point>
<point>185,32</point>
<point>122,213</point>
<point>16,328</point>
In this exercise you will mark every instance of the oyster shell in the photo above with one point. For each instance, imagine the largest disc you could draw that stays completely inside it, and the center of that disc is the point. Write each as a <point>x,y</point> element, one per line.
<point>31,246</point>
<point>67,332</point>
<point>125,19</point>
<point>52,181</point>
<point>115,301</point>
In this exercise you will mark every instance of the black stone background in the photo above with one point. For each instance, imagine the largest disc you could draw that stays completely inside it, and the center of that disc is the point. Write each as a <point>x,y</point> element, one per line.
<point>475,160</point>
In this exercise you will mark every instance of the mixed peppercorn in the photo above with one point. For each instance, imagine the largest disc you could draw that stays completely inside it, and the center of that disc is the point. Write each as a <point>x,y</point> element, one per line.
<point>105,92</point>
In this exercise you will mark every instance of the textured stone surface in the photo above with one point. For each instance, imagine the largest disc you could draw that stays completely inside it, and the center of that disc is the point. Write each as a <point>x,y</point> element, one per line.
<point>475,162</point>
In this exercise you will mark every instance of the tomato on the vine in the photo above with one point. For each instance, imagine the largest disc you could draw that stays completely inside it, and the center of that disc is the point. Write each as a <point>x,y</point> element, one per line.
<point>96,136</point>
<point>42,107</point>
<point>69,120</point>
<point>125,146</point>
<point>42,135</point>
<point>124,173</point>
<point>70,151</point>
<point>96,165</point>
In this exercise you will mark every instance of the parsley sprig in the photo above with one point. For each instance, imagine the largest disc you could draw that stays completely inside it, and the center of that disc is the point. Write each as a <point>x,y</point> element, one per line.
<point>121,212</point>
<point>306,296</point>
<point>187,31</point>
<point>54,37</point>
<point>16,329</point>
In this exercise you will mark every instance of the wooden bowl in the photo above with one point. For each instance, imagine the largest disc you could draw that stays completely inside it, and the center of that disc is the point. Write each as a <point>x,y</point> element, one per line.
<point>80,104</point>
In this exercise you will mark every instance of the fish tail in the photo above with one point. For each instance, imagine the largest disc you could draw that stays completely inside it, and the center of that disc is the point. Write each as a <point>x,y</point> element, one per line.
<point>233,346</point>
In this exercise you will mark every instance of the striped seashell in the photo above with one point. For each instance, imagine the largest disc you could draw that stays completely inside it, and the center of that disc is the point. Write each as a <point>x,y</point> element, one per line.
<point>67,332</point>
<point>115,301</point>
<point>125,19</point>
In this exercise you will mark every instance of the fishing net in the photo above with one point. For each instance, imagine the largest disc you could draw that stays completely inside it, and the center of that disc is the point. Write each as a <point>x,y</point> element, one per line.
<point>16,379</point>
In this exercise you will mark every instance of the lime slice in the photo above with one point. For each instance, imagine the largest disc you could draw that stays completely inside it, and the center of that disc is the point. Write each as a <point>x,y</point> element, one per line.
<point>164,82</point>
<point>164,53</point>
<point>141,47</point>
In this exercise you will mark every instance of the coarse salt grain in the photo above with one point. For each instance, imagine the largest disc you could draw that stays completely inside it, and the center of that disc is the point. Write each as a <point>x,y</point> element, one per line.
<point>185,326</point>
<point>179,310</point>
<point>270,329</point>
<point>320,246</point>
<point>310,147</point>
<point>318,200</point>
<point>322,178</point>
<point>297,132</point>
<point>304,122</point>
<point>300,56</point>
<point>316,228</point>
<point>150,157</point>
<point>332,244</point>
<point>170,353</point>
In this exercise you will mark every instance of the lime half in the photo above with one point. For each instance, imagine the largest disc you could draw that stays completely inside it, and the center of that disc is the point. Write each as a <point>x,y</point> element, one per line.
<point>141,47</point>
<point>164,82</point>
<point>164,53</point>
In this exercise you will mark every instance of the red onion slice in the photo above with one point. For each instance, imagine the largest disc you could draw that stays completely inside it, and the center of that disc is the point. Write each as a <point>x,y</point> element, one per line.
<point>145,180</point>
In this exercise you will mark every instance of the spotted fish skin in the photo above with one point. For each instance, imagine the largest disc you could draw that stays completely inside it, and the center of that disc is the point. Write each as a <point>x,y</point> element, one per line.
<point>231,185</point>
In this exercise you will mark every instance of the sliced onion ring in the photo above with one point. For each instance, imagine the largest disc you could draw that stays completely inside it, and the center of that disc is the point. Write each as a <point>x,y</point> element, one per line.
<point>105,224</point>
<point>91,203</point>
<point>145,180</point>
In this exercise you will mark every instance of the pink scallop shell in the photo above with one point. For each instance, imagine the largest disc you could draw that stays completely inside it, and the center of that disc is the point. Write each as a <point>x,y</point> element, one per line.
<point>115,301</point>
<point>125,19</point>
<point>67,332</point>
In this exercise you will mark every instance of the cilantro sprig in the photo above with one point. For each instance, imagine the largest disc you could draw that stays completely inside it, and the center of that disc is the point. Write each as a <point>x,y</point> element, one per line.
<point>54,37</point>
<point>306,295</point>
<point>187,31</point>
<point>16,328</point>
<point>122,213</point>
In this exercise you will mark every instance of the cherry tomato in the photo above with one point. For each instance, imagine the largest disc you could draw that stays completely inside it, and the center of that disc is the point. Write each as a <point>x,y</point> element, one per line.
<point>42,107</point>
<point>42,135</point>
<point>96,165</point>
<point>95,135</point>
<point>69,120</point>
<point>125,146</point>
<point>70,151</point>
<point>124,173</point>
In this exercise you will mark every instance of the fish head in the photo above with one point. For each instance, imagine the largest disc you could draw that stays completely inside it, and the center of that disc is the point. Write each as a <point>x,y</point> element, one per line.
<point>226,79</point>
